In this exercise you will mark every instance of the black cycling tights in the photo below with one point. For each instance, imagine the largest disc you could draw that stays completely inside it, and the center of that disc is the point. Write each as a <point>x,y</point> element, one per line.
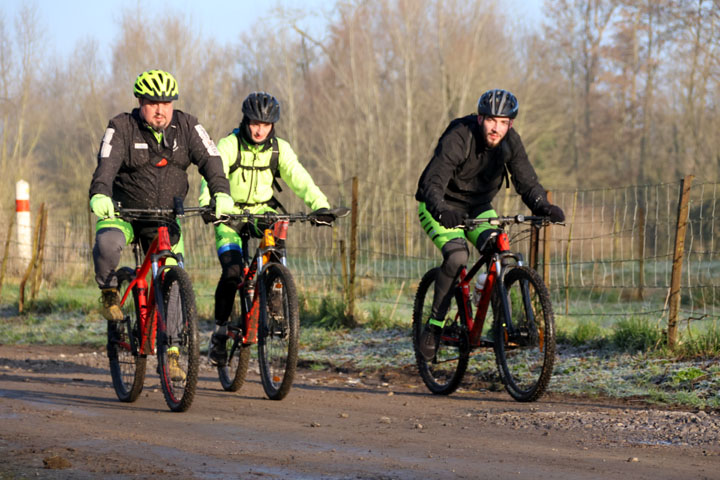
<point>231,262</point>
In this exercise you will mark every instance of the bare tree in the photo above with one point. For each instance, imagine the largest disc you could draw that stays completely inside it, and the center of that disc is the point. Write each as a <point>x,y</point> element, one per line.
<point>22,116</point>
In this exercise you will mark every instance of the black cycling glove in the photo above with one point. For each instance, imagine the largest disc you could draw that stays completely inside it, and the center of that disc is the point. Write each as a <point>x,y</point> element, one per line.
<point>553,212</point>
<point>322,216</point>
<point>452,218</point>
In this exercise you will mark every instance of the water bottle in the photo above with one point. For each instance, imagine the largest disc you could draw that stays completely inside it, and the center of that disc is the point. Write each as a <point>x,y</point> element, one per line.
<point>479,285</point>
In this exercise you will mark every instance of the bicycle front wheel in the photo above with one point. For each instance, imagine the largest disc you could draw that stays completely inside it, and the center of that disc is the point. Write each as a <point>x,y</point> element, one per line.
<point>127,365</point>
<point>278,331</point>
<point>524,343</point>
<point>232,374</point>
<point>177,343</point>
<point>442,375</point>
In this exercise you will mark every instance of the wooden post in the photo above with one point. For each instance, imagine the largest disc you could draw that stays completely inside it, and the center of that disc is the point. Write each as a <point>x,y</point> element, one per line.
<point>31,265</point>
<point>6,250</point>
<point>641,253</point>
<point>567,256</point>
<point>344,272</point>
<point>534,247</point>
<point>37,276</point>
<point>546,249</point>
<point>353,253</point>
<point>676,277</point>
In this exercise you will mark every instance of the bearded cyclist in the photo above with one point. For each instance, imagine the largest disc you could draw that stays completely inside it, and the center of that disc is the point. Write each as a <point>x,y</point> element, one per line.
<point>252,156</point>
<point>142,163</point>
<point>472,159</point>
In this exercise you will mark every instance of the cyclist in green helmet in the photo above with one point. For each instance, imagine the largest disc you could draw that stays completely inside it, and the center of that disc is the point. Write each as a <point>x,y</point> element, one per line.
<point>252,157</point>
<point>142,163</point>
<point>471,161</point>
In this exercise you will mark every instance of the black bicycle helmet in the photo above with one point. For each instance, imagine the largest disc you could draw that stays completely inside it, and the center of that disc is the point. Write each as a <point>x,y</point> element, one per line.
<point>261,107</point>
<point>498,103</point>
<point>156,85</point>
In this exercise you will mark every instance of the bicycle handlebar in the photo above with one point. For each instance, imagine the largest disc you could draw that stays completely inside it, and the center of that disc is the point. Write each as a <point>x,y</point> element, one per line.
<point>504,221</point>
<point>157,213</point>
<point>338,212</point>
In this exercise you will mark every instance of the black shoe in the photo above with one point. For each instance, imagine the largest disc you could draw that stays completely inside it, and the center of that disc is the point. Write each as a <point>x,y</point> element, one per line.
<point>429,341</point>
<point>218,350</point>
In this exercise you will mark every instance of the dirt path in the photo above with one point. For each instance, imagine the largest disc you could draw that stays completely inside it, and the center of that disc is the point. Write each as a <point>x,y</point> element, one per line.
<point>61,419</point>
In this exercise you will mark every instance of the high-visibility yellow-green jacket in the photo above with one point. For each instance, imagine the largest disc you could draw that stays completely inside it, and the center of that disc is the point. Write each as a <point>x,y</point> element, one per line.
<point>251,182</point>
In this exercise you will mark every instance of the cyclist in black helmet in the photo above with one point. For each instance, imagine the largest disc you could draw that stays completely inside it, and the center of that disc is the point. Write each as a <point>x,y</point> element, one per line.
<point>473,157</point>
<point>252,157</point>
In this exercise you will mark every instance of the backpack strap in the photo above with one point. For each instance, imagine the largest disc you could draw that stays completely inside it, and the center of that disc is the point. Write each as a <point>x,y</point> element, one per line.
<point>273,166</point>
<point>274,158</point>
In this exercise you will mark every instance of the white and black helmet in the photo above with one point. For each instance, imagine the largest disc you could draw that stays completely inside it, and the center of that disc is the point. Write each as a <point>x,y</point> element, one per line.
<point>261,107</point>
<point>498,103</point>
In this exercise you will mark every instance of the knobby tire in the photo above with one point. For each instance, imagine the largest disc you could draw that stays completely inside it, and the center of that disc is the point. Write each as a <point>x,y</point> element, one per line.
<point>278,331</point>
<point>127,366</point>
<point>525,356</point>
<point>180,331</point>
<point>232,374</point>
<point>442,375</point>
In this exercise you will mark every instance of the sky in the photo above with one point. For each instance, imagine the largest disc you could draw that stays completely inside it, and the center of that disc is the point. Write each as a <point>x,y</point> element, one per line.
<point>67,22</point>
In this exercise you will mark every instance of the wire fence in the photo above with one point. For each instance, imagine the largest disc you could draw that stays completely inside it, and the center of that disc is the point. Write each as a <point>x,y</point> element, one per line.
<point>612,259</point>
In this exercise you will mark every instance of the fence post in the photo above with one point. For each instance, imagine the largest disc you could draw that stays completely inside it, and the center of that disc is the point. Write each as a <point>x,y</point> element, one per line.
<point>641,252</point>
<point>36,279</point>
<point>534,246</point>
<point>567,255</point>
<point>547,236</point>
<point>353,252</point>
<point>31,266</point>
<point>6,251</point>
<point>676,276</point>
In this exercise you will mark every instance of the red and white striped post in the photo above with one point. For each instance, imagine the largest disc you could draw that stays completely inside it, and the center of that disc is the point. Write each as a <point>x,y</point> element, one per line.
<point>22,215</point>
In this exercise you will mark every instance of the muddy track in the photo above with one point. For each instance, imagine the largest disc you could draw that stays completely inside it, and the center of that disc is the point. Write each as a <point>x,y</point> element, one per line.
<point>61,419</point>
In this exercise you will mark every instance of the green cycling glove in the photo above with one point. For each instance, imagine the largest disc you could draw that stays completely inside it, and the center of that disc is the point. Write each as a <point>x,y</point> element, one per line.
<point>224,204</point>
<point>102,206</point>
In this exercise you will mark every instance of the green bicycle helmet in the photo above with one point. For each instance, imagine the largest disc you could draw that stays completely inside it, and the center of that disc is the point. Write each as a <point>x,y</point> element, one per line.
<point>156,85</point>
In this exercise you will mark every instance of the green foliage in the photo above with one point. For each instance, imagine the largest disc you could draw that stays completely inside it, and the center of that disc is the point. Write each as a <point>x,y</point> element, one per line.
<point>637,334</point>
<point>328,312</point>
<point>703,344</point>
<point>687,375</point>
<point>585,333</point>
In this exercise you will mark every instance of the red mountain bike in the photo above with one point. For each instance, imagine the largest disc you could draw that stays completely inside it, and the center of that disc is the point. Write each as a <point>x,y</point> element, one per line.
<point>266,309</point>
<point>159,318</point>
<point>523,330</point>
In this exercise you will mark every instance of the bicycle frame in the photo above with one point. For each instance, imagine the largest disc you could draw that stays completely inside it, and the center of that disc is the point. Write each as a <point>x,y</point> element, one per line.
<point>496,262</point>
<point>150,308</point>
<point>252,271</point>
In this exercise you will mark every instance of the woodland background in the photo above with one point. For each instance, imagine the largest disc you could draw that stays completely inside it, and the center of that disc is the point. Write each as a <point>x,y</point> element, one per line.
<point>611,92</point>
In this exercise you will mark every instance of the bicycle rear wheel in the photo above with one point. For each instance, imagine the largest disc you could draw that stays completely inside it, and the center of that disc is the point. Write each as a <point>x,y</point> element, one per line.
<point>278,331</point>
<point>232,374</point>
<point>127,365</point>
<point>524,346</point>
<point>443,374</point>
<point>177,343</point>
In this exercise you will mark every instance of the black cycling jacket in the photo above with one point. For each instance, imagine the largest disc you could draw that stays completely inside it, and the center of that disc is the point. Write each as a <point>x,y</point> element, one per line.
<point>465,175</point>
<point>136,170</point>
